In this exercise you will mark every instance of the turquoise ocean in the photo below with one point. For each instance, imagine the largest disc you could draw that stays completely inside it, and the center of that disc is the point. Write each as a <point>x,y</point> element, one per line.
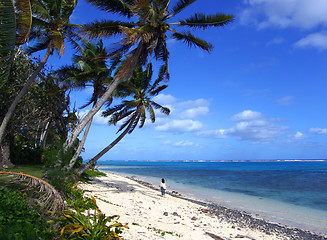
<point>290,192</point>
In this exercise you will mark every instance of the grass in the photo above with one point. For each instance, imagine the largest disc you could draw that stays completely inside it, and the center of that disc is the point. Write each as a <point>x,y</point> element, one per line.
<point>34,170</point>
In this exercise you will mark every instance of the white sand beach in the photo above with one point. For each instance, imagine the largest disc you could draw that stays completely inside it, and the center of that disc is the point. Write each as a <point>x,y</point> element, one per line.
<point>151,216</point>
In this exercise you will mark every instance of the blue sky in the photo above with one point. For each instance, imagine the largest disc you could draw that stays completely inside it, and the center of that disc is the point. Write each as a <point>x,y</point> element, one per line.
<point>260,94</point>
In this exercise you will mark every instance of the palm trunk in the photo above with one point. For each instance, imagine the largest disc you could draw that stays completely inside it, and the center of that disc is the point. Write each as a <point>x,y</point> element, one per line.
<point>79,149</point>
<point>21,94</point>
<point>126,72</point>
<point>87,165</point>
<point>5,155</point>
<point>44,135</point>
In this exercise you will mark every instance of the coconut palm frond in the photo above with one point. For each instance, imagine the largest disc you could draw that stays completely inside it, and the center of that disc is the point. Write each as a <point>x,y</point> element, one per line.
<point>24,20</point>
<point>181,5</point>
<point>191,40</point>
<point>105,28</point>
<point>162,109</point>
<point>48,194</point>
<point>158,90</point>
<point>7,37</point>
<point>114,6</point>
<point>135,122</point>
<point>203,21</point>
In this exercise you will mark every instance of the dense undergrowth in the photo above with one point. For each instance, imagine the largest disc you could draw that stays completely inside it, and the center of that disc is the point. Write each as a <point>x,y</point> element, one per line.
<point>23,217</point>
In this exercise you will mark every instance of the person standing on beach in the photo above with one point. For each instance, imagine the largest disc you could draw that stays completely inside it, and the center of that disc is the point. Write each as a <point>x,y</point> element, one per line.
<point>163,187</point>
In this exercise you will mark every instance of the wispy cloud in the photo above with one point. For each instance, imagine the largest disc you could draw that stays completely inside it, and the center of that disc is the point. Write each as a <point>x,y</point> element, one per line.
<point>286,101</point>
<point>318,131</point>
<point>179,125</point>
<point>316,40</point>
<point>301,14</point>
<point>275,41</point>
<point>183,114</point>
<point>282,14</point>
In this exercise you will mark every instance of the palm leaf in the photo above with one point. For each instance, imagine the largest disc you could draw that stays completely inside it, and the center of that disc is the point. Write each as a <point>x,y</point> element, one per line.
<point>114,6</point>
<point>38,46</point>
<point>144,10</point>
<point>200,20</point>
<point>49,195</point>
<point>7,37</point>
<point>180,6</point>
<point>162,109</point>
<point>142,118</point>
<point>152,114</point>
<point>24,20</point>
<point>158,90</point>
<point>191,40</point>
<point>105,28</point>
<point>135,122</point>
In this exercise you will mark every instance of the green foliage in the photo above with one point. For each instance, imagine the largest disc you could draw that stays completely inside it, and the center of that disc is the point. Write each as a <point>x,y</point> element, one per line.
<point>18,220</point>
<point>76,199</point>
<point>93,173</point>
<point>76,225</point>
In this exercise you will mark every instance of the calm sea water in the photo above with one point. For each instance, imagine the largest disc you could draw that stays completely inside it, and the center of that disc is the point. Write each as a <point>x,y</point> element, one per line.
<point>297,184</point>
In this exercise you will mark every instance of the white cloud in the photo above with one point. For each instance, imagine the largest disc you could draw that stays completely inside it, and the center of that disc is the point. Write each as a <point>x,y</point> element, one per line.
<point>98,119</point>
<point>221,133</point>
<point>194,103</point>
<point>301,14</point>
<point>258,130</point>
<point>180,126</point>
<point>252,126</point>
<point>164,99</point>
<point>318,131</point>
<point>247,115</point>
<point>194,112</point>
<point>183,144</point>
<point>299,135</point>
<point>182,114</point>
<point>316,40</point>
<point>286,101</point>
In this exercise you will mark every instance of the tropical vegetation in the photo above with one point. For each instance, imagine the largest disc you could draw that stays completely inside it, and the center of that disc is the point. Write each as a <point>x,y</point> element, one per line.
<point>39,124</point>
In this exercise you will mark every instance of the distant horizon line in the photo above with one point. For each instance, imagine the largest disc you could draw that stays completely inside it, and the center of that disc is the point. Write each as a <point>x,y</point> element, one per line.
<point>265,160</point>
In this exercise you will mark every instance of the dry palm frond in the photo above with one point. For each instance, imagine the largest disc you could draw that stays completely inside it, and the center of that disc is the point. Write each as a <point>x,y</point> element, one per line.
<point>49,196</point>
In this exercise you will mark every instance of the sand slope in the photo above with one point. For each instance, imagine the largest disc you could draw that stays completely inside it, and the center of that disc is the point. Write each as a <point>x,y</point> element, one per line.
<point>149,215</point>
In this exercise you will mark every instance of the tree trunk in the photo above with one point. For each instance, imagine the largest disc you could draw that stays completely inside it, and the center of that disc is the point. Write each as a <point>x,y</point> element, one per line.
<point>5,155</point>
<point>87,165</point>
<point>44,134</point>
<point>126,72</point>
<point>79,149</point>
<point>21,94</point>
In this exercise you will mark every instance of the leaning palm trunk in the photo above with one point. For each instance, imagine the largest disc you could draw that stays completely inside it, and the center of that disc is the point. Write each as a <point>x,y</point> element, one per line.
<point>49,195</point>
<point>79,149</point>
<point>87,165</point>
<point>125,73</point>
<point>21,94</point>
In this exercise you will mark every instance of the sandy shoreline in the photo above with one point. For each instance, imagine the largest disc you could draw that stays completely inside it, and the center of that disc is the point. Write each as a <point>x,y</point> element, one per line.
<point>150,216</point>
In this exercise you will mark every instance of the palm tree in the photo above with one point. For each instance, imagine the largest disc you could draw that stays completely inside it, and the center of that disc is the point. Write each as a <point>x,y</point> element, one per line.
<point>134,111</point>
<point>16,20</point>
<point>144,35</point>
<point>50,29</point>
<point>88,70</point>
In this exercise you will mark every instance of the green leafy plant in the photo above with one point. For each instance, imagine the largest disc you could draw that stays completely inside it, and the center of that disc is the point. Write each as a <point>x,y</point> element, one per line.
<point>76,225</point>
<point>19,220</point>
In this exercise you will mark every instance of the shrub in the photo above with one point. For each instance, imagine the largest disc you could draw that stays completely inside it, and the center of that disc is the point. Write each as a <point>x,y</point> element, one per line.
<point>19,221</point>
<point>77,225</point>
